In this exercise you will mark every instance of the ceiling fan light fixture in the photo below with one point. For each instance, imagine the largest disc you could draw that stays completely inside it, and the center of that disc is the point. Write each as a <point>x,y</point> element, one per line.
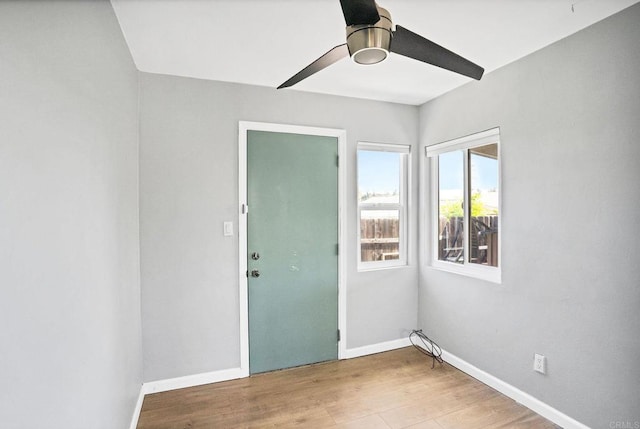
<point>369,44</point>
<point>369,56</point>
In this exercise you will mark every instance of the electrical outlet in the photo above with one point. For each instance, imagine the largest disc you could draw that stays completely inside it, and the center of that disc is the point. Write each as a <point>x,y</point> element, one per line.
<point>540,364</point>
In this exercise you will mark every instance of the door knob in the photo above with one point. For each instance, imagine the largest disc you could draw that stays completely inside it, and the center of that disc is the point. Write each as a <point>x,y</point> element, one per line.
<point>255,273</point>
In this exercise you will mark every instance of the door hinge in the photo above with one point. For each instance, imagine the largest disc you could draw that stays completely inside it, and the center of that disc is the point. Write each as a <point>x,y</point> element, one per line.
<point>337,248</point>
<point>338,335</point>
<point>338,161</point>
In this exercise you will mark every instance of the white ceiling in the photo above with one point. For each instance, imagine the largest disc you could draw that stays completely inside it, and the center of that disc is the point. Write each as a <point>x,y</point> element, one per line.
<point>264,42</point>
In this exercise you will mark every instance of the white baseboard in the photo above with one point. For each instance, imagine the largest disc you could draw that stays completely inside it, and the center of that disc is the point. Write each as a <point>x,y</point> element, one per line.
<point>234,373</point>
<point>501,386</point>
<point>376,348</point>
<point>192,380</point>
<point>514,393</point>
<point>136,411</point>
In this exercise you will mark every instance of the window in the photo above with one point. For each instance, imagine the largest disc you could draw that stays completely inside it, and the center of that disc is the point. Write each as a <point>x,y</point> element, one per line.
<point>466,205</point>
<point>382,205</point>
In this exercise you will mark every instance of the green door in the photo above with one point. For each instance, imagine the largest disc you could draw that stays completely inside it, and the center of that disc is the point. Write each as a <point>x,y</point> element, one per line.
<point>292,260</point>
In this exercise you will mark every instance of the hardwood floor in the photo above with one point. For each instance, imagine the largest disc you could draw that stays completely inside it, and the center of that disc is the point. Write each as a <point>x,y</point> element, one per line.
<point>396,389</point>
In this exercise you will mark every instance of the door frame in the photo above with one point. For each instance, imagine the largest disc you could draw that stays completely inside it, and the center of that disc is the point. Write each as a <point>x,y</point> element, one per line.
<point>243,128</point>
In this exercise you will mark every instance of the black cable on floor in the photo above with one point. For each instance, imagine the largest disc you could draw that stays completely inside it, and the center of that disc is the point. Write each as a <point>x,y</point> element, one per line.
<point>428,347</point>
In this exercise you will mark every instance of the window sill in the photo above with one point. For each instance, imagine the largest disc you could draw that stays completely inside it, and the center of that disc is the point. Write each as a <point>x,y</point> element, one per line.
<point>377,266</point>
<point>490,274</point>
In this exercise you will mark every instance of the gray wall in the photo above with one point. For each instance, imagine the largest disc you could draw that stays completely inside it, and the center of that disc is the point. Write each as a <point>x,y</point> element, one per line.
<point>189,187</point>
<point>69,266</point>
<point>569,117</point>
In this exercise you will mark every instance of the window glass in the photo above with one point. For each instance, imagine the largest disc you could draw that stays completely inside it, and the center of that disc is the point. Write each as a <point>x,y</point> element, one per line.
<point>450,207</point>
<point>483,185</point>
<point>378,177</point>
<point>382,189</point>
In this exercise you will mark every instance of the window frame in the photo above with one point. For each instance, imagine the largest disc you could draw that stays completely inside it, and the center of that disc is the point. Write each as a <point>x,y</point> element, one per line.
<point>402,206</point>
<point>432,153</point>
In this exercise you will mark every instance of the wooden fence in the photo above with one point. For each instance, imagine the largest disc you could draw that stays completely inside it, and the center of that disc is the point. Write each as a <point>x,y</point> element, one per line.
<point>484,240</point>
<point>379,239</point>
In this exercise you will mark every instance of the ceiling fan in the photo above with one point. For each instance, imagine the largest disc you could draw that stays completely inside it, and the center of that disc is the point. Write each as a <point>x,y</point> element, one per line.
<point>370,38</point>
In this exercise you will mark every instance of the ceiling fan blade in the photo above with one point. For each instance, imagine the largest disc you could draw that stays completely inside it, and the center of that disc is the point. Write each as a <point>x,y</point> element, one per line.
<point>412,45</point>
<point>360,12</point>
<point>335,54</point>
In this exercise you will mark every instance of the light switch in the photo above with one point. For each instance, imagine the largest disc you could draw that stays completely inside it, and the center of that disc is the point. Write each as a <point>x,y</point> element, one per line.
<point>228,229</point>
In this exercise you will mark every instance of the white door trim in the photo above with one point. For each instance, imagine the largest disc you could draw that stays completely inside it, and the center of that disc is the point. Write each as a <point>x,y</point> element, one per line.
<point>341,135</point>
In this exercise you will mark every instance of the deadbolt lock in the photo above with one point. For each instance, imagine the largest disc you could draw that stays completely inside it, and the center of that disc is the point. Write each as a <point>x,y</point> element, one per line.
<point>255,256</point>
